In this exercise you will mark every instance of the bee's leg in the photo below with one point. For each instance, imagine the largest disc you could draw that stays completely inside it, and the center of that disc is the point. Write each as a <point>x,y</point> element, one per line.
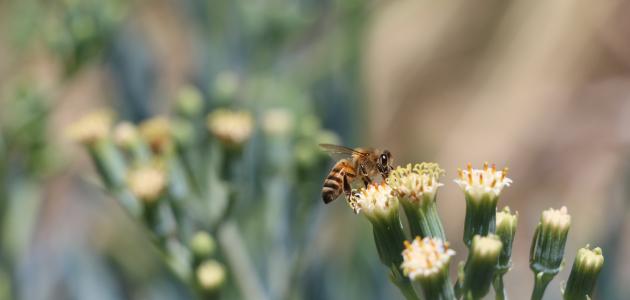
<point>364,176</point>
<point>347,189</point>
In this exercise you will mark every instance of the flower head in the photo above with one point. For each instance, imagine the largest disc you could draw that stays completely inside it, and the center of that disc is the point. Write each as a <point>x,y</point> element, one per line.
<point>210,275</point>
<point>586,267</point>
<point>506,229</point>
<point>147,182</point>
<point>374,200</point>
<point>426,257</point>
<point>233,128</point>
<point>91,128</point>
<point>547,250</point>
<point>125,135</point>
<point>556,219</point>
<point>277,121</point>
<point>477,182</point>
<point>202,244</point>
<point>480,267</point>
<point>157,132</point>
<point>417,182</point>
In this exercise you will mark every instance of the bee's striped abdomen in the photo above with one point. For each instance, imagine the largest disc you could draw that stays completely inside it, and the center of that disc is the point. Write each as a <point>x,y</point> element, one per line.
<point>334,184</point>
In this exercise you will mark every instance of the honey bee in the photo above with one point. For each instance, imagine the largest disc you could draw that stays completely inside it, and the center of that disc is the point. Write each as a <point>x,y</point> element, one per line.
<point>364,163</point>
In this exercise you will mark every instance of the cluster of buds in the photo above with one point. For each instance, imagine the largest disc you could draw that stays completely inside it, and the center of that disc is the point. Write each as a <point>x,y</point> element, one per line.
<point>154,173</point>
<point>482,188</point>
<point>489,235</point>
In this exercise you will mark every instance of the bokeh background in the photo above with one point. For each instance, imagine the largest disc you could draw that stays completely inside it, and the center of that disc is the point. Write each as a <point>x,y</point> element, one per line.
<point>542,87</point>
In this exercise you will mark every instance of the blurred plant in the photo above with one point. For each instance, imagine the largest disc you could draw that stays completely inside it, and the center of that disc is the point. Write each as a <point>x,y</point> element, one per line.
<point>26,157</point>
<point>182,178</point>
<point>79,31</point>
<point>488,234</point>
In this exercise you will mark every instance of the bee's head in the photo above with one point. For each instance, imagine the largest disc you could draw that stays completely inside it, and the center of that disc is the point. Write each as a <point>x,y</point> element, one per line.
<point>385,163</point>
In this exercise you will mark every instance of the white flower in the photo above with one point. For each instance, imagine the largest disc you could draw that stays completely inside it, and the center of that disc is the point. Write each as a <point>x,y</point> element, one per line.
<point>425,257</point>
<point>416,183</point>
<point>556,219</point>
<point>477,182</point>
<point>376,199</point>
<point>231,127</point>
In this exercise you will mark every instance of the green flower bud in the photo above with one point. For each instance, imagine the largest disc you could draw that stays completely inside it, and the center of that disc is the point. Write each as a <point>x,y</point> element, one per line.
<point>480,266</point>
<point>482,188</point>
<point>547,249</point>
<point>506,229</point>
<point>586,267</point>
<point>426,262</point>
<point>189,102</point>
<point>416,189</point>
<point>202,245</point>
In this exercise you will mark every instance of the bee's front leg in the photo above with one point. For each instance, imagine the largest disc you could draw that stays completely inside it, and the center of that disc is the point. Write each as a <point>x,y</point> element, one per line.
<point>364,176</point>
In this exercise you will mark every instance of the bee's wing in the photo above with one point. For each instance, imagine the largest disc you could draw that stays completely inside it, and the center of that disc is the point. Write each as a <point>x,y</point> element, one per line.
<point>337,151</point>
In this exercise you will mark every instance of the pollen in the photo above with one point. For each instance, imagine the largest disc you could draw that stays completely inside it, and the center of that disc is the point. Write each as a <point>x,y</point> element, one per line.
<point>415,183</point>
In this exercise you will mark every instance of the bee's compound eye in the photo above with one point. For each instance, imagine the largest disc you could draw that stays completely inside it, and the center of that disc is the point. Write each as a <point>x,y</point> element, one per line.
<point>384,159</point>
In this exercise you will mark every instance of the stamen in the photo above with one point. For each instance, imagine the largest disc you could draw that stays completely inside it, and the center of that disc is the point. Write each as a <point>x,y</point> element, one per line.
<point>481,178</point>
<point>504,173</point>
<point>469,167</point>
<point>470,181</point>
<point>485,166</point>
<point>494,182</point>
<point>460,173</point>
<point>494,168</point>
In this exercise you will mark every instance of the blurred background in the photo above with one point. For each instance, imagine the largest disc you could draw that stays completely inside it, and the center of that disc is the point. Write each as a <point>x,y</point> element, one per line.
<point>542,87</point>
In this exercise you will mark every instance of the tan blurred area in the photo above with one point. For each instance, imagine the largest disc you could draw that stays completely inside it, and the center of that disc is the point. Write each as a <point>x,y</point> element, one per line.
<point>542,87</point>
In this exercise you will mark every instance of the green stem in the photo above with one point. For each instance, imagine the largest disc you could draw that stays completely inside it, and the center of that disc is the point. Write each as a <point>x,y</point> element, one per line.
<point>499,288</point>
<point>407,290</point>
<point>423,220</point>
<point>540,284</point>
